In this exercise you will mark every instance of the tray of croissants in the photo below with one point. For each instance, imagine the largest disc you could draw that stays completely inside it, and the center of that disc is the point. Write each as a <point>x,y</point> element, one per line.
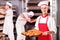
<point>32,33</point>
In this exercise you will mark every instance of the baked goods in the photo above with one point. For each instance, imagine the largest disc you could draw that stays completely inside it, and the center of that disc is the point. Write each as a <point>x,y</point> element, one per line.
<point>31,33</point>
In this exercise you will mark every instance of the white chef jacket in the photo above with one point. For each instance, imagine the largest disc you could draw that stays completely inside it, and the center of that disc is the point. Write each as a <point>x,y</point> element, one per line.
<point>8,23</point>
<point>51,23</point>
<point>20,26</point>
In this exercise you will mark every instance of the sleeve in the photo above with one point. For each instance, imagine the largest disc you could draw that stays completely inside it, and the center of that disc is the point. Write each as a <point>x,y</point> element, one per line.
<point>52,25</point>
<point>9,13</point>
<point>25,14</point>
<point>36,24</point>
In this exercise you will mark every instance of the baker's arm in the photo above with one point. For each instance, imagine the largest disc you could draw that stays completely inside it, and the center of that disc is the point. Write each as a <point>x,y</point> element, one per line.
<point>2,13</point>
<point>52,28</point>
<point>31,21</point>
<point>36,24</point>
<point>22,15</point>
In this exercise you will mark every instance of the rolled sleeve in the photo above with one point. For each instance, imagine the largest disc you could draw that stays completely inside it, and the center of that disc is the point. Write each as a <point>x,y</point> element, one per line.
<point>52,25</point>
<point>36,24</point>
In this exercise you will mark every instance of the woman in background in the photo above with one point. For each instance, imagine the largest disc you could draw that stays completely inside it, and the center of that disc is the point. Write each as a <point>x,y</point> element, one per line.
<point>8,22</point>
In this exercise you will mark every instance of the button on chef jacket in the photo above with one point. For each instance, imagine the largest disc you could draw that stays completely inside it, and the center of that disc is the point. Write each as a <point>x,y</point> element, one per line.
<point>50,23</point>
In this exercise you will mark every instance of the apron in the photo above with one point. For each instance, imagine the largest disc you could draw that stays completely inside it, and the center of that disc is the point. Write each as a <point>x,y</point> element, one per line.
<point>8,25</point>
<point>8,22</point>
<point>43,27</point>
<point>20,28</point>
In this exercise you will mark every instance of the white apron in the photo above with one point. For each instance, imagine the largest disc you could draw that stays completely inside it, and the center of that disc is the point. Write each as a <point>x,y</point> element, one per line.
<point>20,28</point>
<point>8,24</point>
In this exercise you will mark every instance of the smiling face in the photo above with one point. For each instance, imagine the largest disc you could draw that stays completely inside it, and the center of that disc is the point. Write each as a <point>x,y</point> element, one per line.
<point>44,9</point>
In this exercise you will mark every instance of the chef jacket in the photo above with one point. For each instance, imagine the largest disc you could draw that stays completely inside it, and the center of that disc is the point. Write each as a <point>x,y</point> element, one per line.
<point>51,23</point>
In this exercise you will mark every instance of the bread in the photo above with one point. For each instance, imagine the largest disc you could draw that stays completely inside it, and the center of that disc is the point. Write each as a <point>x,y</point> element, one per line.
<point>31,33</point>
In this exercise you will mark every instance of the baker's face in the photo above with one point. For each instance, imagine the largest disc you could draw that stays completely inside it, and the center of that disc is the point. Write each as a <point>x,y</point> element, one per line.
<point>44,9</point>
<point>6,7</point>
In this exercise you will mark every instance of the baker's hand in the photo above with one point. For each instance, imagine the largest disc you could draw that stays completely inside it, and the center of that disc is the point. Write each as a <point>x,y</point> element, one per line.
<point>45,33</point>
<point>30,21</point>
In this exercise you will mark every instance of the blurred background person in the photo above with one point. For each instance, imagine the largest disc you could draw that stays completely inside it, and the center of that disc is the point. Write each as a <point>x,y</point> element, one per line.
<point>8,22</point>
<point>20,23</point>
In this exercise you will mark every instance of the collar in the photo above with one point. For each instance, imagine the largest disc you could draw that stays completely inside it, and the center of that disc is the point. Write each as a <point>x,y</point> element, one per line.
<point>45,15</point>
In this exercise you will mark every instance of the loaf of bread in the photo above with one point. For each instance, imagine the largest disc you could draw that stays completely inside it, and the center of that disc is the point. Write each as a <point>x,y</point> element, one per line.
<point>31,33</point>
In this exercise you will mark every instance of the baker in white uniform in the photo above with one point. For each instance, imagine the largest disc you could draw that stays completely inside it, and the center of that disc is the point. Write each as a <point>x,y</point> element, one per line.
<point>8,23</point>
<point>45,22</point>
<point>21,21</point>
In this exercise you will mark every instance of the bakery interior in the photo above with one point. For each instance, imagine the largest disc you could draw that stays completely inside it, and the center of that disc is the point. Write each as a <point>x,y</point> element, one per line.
<point>20,6</point>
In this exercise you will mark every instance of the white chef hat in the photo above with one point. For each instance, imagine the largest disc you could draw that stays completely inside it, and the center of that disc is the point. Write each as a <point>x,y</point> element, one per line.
<point>31,13</point>
<point>8,3</point>
<point>42,3</point>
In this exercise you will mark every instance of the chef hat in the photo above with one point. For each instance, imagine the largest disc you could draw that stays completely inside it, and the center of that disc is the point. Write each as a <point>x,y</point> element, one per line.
<point>31,13</point>
<point>8,3</point>
<point>42,3</point>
